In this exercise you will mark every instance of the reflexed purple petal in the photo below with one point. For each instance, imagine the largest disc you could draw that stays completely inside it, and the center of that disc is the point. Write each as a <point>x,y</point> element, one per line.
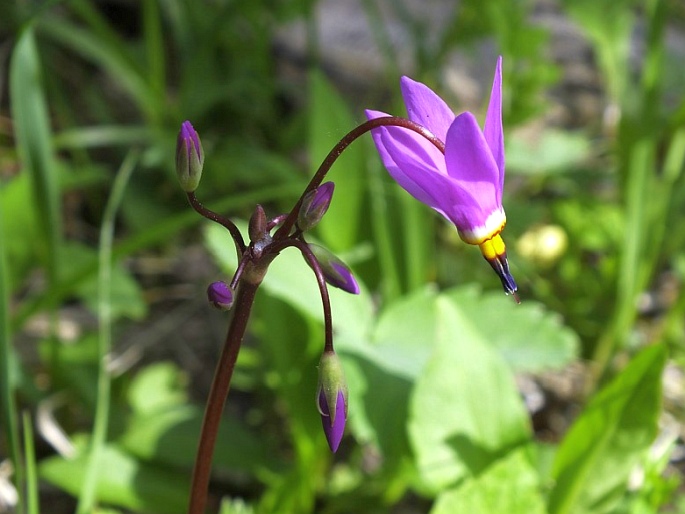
<point>426,108</point>
<point>415,171</point>
<point>385,134</point>
<point>333,428</point>
<point>474,171</point>
<point>494,134</point>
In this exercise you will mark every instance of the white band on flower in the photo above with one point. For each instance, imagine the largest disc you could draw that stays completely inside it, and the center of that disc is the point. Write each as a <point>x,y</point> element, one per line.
<point>493,225</point>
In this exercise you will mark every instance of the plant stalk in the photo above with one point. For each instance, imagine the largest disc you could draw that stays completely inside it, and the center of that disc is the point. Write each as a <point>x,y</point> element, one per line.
<point>217,396</point>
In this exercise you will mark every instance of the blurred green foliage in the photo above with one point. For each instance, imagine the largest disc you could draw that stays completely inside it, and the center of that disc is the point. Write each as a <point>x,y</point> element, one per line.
<point>434,362</point>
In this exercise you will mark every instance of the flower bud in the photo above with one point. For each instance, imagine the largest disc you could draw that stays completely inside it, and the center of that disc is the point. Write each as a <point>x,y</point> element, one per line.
<point>220,295</point>
<point>334,270</point>
<point>190,157</point>
<point>257,227</point>
<point>331,398</point>
<point>314,206</point>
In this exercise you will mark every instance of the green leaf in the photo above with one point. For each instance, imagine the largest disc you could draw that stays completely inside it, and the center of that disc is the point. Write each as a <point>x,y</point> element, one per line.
<point>529,337</point>
<point>509,485</point>
<point>465,412</point>
<point>21,228</point>
<point>123,480</point>
<point>405,333</point>
<point>157,387</point>
<point>381,375</point>
<point>379,404</point>
<point>164,429</point>
<point>329,121</point>
<point>169,436</point>
<point>598,453</point>
<point>32,129</point>
<point>8,366</point>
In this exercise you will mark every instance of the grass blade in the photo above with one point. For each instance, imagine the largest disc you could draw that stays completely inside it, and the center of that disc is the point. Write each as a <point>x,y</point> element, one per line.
<point>8,408</point>
<point>32,503</point>
<point>87,497</point>
<point>32,130</point>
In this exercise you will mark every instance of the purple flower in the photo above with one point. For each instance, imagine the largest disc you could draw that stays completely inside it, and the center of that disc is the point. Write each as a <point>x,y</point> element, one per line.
<point>331,398</point>
<point>465,183</point>
<point>190,157</point>
<point>220,295</point>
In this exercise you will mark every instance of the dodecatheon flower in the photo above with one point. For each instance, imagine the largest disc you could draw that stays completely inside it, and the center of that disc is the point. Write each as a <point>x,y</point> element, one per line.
<point>314,206</point>
<point>220,295</point>
<point>190,157</point>
<point>331,398</point>
<point>465,183</point>
<point>334,270</point>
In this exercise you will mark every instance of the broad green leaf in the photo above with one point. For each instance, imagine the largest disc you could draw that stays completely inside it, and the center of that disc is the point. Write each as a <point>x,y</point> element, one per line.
<point>509,485</point>
<point>157,387</point>
<point>405,334</point>
<point>379,404</point>
<point>123,481</point>
<point>165,430</point>
<point>168,437</point>
<point>617,426</point>
<point>329,121</point>
<point>465,412</point>
<point>529,337</point>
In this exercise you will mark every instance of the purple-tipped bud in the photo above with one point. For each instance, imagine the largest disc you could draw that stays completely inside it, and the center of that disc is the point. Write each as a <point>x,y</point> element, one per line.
<point>190,157</point>
<point>220,295</point>
<point>334,270</point>
<point>314,206</point>
<point>331,398</point>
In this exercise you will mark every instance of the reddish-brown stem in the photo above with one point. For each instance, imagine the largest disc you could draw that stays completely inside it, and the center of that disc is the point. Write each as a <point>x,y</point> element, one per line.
<point>221,220</point>
<point>338,149</point>
<point>217,397</point>
<point>323,288</point>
